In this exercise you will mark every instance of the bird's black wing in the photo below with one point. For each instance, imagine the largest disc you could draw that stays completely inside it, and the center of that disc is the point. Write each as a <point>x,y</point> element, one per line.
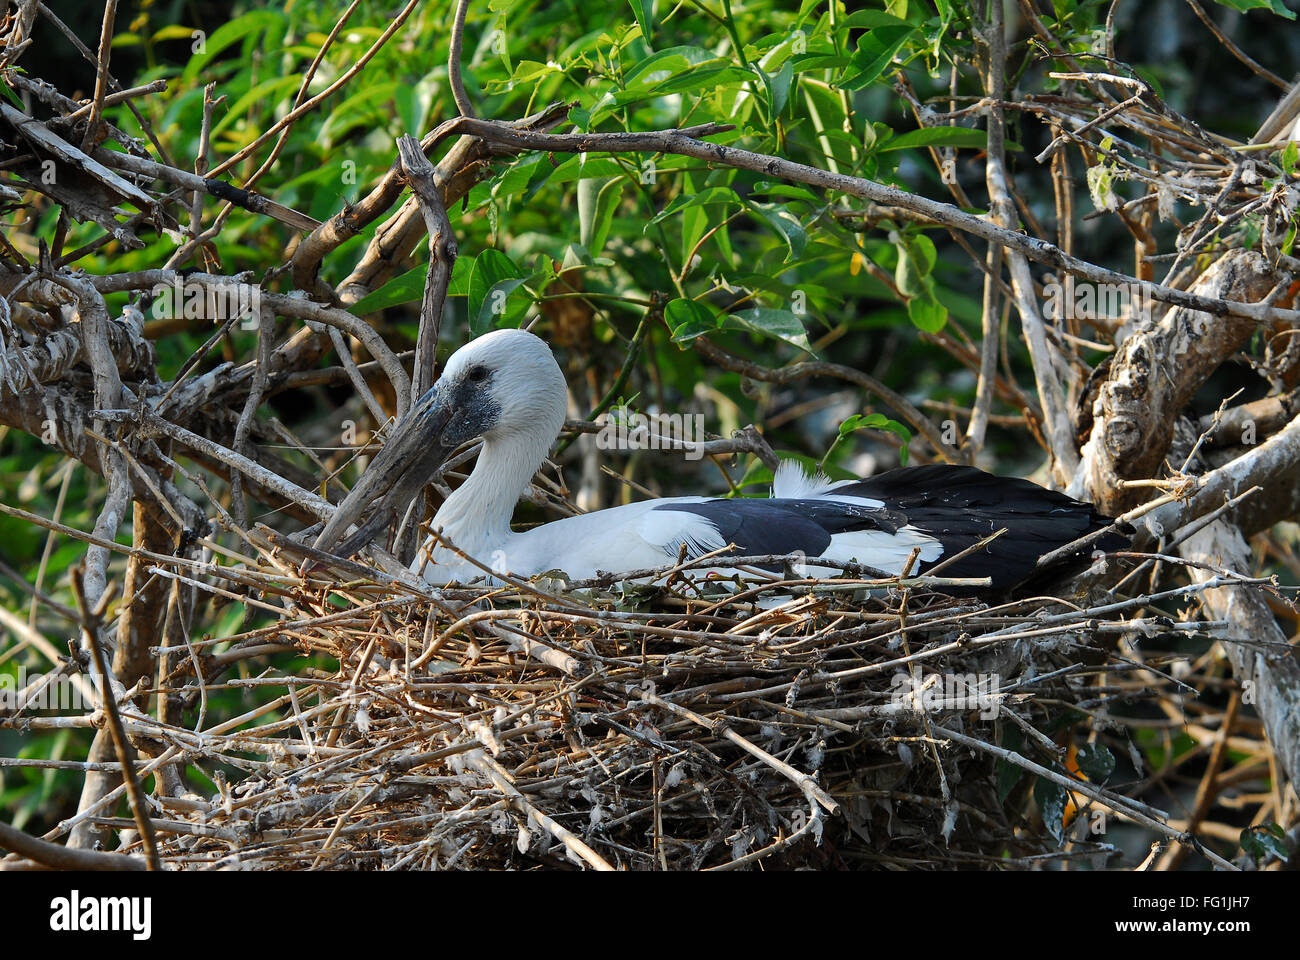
<point>759,526</point>
<point>959,506</point>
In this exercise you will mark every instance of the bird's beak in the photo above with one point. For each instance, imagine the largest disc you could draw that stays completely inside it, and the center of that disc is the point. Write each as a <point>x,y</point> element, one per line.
<point>408,461</point>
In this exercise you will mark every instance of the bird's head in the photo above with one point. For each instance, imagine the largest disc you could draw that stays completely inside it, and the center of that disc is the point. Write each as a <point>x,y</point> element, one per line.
<point>503,386</point>
<point>504,383</point>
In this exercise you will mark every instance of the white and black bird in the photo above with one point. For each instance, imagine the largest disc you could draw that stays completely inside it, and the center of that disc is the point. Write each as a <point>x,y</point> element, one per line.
<point>507,388</point>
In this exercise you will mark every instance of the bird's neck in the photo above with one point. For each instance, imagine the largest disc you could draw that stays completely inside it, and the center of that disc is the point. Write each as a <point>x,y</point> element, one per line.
<point>476,517</point>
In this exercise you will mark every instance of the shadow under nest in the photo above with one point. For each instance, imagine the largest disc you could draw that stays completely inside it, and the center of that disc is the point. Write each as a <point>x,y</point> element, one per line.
<point>835,724</point>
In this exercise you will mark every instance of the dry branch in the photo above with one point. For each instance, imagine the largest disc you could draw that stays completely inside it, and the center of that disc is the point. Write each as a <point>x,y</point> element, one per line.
<point>1155,373</point>
<point>1263,659</point>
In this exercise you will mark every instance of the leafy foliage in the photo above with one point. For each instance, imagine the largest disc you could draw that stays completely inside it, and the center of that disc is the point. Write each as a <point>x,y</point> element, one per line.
<point>776,273</point>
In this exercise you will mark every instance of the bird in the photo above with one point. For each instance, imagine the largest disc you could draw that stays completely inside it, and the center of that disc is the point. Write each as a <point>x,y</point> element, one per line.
<point>506,387</point>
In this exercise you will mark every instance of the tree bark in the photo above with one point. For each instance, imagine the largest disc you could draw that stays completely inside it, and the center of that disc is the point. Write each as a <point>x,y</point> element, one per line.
<point>1263,661</point>
<point>1156,371</point>
<point>138,629</point>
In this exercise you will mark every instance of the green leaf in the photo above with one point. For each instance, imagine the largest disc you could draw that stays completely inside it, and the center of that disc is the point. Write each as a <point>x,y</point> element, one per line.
<point>1095,761</point>
<point>804,62</point>
<point>937,137</point>
<point>927,314</point>
<point>877,421</point>
<point>1265,840</point>
<point>770,322</point>
<point>1051,798</point>
<point>675,70</point>
<point>786,224</point>
<point>778,85</point>
<point>520,176</point>
<point>526,71</point>
<point>414,100</point>
<point>492,279</point>
<point>912,271</point>
<point>269,91</point>
<point>675,61</point>
<point>786,190</point>
<point>460,271</point>
<point>644,13</point>
<point>403,288</point>
<point>492,310</point>
<point>916,259</point>
<point>695,220</point>
<point>876,51</point>
<point>870,20</point>
<point>1277,6</point>
<point>702,78</point>
<point>583,165</point>
<point>607,201</point>
<point>1101,179</point>
<point>688,319</point>
<point>1290,156</point>
<point>13,97</point>
<point>256,21</point>
<point>712,196</point>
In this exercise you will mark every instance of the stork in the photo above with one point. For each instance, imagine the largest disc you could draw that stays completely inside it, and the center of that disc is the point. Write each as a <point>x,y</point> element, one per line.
<point>506,387</point>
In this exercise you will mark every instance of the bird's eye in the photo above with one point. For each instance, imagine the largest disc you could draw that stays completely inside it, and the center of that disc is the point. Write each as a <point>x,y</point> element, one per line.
<point>477,374</point>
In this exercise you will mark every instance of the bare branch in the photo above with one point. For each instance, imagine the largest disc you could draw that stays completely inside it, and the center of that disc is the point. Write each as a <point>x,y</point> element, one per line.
<point>442,256</point>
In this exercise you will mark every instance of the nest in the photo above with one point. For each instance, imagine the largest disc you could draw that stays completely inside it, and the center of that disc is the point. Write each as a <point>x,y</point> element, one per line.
<point>782,722</point>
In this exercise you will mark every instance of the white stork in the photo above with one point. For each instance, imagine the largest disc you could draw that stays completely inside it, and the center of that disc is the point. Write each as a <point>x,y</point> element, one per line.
<point>507,388</point>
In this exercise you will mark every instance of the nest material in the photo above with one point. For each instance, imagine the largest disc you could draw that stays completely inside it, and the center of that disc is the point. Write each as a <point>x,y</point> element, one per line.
<point>829,723</point>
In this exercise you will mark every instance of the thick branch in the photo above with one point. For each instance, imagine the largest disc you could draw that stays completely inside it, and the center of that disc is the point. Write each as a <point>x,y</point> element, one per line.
<point>1263,661</point>
<point>442,252</point>
<point>1154,375</point>
<point>683,143</point>
<point>63,858</point>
